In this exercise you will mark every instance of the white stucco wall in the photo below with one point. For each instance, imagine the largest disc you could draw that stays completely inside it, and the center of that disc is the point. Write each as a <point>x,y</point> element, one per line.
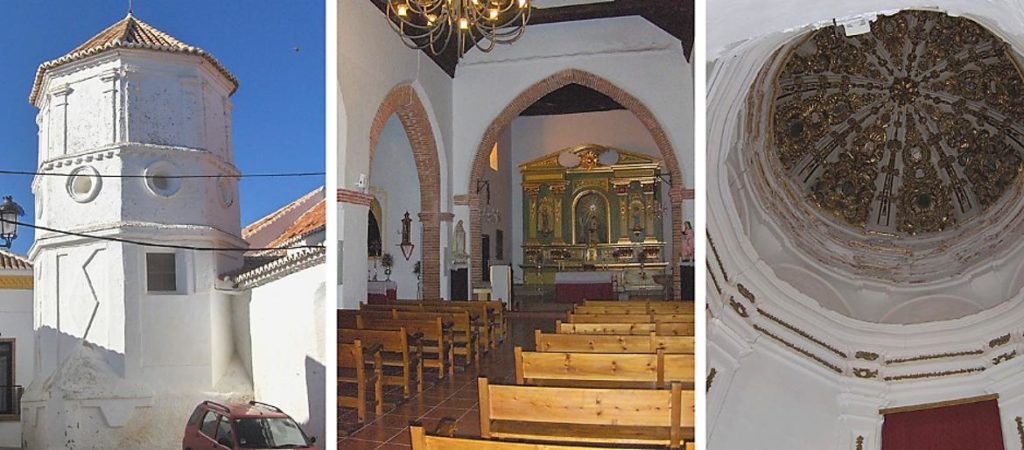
<point>289,366</point>
<point>16,323</point>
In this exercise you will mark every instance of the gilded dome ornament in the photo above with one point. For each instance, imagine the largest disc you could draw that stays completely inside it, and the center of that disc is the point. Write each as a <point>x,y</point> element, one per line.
<point>912,129</point>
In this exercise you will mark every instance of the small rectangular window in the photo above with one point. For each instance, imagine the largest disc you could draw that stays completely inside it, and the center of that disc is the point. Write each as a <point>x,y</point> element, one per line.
<point>161,272</point>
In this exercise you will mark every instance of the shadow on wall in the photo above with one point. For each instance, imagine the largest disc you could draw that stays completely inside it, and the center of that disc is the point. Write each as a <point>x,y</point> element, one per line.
<point>316,392</point>
<point>83,402</point>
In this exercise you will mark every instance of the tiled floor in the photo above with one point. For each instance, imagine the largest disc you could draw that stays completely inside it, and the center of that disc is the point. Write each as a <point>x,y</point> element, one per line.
<point>450,402</point>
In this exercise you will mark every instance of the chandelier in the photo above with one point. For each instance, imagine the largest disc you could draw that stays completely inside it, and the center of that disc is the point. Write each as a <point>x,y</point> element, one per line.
<point>429,24</point>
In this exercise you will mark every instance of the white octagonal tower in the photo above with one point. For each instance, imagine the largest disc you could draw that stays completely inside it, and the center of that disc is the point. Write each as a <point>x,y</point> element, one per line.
<point>129,337</point>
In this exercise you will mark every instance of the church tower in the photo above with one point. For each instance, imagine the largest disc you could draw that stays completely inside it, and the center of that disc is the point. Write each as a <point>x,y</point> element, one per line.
<point>129,336</point>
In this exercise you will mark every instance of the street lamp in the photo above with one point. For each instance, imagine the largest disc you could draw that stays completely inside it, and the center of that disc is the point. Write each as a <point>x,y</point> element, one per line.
<point>9,213</point>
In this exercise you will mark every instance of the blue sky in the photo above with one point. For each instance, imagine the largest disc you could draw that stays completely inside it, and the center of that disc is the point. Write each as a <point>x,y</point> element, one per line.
<point>278,109</point>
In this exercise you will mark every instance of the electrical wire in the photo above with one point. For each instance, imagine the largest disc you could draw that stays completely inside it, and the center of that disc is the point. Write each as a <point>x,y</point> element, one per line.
<point>99,175</point>
<point>153,244</point>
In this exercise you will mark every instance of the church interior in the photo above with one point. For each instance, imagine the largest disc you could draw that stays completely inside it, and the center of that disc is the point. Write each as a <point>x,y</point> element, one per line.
<point>863,222</point>
<point>504,211</point>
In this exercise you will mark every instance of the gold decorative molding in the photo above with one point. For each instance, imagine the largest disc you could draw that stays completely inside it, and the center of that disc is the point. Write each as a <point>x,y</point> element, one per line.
<point>1002,340</point>
<point>865,373</point>
<point>738,307</point>
<point>860,442</point>
<point>746,292</point>
<point>718,259</point>
<point>934,356</point>
<point>796,348</point>
<point>1020,431</point>
<point>802,333</point>
<point>1004,357</point>
<point>711,379</point>
<point>718,288</point>
<point>915,376</point>
<point>867,356</point>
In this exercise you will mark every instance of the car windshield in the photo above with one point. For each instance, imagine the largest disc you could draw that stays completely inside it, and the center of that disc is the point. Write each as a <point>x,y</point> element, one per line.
<point>269,432</point>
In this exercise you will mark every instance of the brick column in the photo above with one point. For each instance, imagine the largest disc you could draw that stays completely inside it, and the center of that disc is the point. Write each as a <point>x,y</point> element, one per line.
<point>677,195</point>
<point>430,251</point>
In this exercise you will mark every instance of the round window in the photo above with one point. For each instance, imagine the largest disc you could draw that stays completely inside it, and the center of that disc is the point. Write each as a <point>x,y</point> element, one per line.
<point>227,194</point>
<point>84,184</point>
<point>162,178</point>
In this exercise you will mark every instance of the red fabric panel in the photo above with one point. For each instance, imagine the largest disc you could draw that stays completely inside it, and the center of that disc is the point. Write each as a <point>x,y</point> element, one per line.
<point>576,293</point>
<point>973,426</point>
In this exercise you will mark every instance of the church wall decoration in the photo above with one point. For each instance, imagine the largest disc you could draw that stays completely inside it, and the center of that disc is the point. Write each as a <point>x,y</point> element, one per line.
<point>593,206</point>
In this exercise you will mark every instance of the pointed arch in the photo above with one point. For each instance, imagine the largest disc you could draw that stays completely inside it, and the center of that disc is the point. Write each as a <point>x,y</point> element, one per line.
<point>534,93</point>
<point>404,102</point>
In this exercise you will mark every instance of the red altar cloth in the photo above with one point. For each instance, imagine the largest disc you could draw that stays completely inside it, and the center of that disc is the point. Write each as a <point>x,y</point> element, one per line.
<point>575,287</point>
<point>379,292</point>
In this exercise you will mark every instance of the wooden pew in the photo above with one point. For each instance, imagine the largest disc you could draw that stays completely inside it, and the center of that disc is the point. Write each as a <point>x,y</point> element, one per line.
<point>607,343</point>
<point>465,337</point>
<point>436,339</point>
<point>478,316</point>
<point>347,318</point>
<point>352,370</point>
<point>661,329</point>
<point>465,330</point>
<point>608,370</point>
<point>630,318</point>
<point>605,328</point>
<point>564,414</point>
<point>494,310</point>
<point>396,352</point>
<point>423,441</point>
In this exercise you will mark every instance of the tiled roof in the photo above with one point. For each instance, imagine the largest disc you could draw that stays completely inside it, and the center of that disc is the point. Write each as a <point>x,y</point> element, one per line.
<point>128,33</point>
<point>310,222</point>
<point>11,261</point>
<point>274,216</point>
<point>257,271</point>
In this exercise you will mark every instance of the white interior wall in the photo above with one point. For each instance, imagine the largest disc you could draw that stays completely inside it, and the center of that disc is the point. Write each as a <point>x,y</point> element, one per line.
<point>373,62</point>
<point>395,184</point>
<point>775,402</point>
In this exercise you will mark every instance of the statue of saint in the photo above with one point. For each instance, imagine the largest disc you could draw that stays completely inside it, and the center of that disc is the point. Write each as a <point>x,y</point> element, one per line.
<point>593,235</point>
<point>688,241</point>
<point>459,243</point>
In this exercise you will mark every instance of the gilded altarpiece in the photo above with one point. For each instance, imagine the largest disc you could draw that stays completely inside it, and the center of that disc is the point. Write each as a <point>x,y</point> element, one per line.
<point>594,208</point>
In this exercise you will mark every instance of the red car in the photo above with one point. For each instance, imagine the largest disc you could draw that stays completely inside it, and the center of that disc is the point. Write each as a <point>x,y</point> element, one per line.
<point>253,425</point>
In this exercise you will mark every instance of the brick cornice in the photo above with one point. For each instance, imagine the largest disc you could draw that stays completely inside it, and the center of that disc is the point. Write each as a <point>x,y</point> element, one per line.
<point>354,197</point>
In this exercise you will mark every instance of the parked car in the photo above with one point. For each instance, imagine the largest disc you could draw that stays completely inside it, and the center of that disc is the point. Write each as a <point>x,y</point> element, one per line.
<point>253,425</point>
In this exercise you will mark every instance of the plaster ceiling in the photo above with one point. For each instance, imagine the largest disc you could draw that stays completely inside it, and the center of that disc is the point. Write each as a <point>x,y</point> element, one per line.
<point>676,17</point>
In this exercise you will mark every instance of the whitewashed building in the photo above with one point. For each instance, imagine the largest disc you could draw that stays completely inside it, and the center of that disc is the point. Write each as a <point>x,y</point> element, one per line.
<point>129,338</point>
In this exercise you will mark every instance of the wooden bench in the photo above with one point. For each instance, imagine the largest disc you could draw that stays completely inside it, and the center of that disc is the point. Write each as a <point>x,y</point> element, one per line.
<point>438,351</point>
<point>605,328</point>
<point>495,312</point>
<point>396,352</point>
<point>423,441</point>
<point>608,343</point>
<point>630,318</point>
<point>661,329</point>
<point>608,370</point>
<point>464,335</point>
<point>352,370</point>
<point>479,317</point>
<point>564,414</point>
<point>347,318</point>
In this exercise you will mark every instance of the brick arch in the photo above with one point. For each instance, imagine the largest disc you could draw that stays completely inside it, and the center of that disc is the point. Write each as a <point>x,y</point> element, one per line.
<point>534,93</point>
<point>406,104</point>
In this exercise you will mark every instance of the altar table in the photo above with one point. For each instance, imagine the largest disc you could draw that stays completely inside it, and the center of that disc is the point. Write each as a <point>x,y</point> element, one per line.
<point>575,287</point>
<point>378,292</point>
